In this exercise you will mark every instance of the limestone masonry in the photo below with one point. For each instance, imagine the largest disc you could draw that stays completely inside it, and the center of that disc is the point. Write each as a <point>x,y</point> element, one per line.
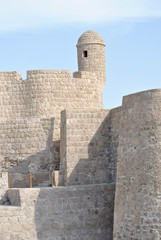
<point>70,170</point>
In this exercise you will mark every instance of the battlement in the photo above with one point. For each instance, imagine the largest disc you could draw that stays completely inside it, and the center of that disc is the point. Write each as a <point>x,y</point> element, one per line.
<point>54,74</point>
<point>45,93</point>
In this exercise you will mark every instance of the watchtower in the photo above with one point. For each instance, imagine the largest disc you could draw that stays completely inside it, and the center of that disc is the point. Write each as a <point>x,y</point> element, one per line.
<point>91,54</point>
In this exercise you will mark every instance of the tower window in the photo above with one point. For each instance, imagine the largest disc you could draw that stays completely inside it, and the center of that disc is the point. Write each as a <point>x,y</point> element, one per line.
<point>85,53</point>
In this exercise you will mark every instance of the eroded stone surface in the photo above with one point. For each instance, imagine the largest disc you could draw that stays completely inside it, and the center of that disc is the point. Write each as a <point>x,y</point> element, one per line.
<point>138,189</point>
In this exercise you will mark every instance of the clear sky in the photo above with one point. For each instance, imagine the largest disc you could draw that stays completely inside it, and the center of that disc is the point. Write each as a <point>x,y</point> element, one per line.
<point>42,34</point>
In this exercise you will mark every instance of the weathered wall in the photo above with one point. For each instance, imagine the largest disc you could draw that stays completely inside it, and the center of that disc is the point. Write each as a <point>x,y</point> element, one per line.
<point>29,102</point>
<point>69,213</point>
<point>29,144</point>
<point>46,92</point>
<point>138,186</point>
<point>49,92</point>
<point>11,95</point>
<point>89,141</point>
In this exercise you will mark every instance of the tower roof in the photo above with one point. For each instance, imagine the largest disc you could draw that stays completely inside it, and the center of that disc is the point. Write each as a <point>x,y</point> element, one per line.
<point>90,37</point>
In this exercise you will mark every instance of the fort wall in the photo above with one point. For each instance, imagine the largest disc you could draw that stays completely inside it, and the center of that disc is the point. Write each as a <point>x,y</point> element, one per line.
<point>138,184</point>
<point>28,105</point>
<point>77,212</point>
<point>89,141</point>
<point>27,145</point>
<point>46,92</point>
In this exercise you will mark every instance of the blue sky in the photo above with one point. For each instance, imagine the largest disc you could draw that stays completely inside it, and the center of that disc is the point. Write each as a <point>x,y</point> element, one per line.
<point>43,35</point>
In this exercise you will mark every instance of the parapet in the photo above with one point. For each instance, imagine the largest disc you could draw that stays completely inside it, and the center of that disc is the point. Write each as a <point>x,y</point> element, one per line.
<point>140,97</point>
<point>48,73</point>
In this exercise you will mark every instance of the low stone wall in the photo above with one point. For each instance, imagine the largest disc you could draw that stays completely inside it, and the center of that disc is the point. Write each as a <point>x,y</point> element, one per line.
<point>63,213</point>
<point>20,180</point>
<point>38,179</point>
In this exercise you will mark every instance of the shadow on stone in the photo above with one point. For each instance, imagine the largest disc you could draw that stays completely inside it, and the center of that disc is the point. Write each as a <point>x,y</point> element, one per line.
<point>43,160</point>
<point>83,211</point>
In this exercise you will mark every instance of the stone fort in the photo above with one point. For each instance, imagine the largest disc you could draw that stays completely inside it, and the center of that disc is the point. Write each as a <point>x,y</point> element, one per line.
<point>71,170</point>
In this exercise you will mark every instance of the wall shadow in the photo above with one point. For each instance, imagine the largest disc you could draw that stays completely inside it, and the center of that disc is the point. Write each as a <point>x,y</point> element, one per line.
<point>81,212</point>
<point>100,166</point>
<point>44,160</point>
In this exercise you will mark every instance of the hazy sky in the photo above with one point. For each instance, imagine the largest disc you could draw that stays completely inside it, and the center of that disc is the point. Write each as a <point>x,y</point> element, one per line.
<point>42,34</point>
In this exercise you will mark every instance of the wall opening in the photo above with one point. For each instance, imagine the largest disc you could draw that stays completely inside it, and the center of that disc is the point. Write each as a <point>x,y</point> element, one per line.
<point>85,54</point>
